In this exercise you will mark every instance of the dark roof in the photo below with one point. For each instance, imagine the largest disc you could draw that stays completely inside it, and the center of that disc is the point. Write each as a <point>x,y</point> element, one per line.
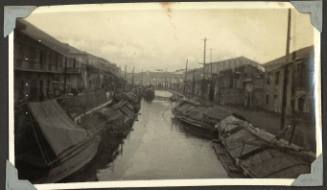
<point>35,33</point>
<point>281,61</point>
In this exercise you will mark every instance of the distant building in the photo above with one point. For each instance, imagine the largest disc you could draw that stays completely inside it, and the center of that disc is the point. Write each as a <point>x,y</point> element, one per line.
<point>299,82</point>
<point>237,81</point>
<point>239,84</point>
<point>158,79</point>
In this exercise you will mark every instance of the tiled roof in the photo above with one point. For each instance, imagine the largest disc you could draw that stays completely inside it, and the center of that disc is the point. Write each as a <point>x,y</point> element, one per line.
<point>35,33</point>
<point>281,61</point>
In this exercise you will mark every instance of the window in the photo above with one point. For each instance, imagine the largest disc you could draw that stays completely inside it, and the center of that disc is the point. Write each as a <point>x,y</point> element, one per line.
<point>275,97</point>
<point>267,98</point>
<point>56,60</point>
<point>268,79</point>
<point>277,77</point>
<point>301,75</point>
<point>301,102</point>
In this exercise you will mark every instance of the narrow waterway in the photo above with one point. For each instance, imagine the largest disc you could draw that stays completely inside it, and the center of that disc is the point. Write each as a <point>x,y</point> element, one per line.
<point>159,148</point>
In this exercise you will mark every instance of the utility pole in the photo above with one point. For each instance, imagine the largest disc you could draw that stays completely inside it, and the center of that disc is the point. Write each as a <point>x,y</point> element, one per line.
<point>185,78</point>
<point>142,77</point>
<point>204,63</point>
<point>286,71</point>
<point>204,56</point>
<point>65,75</point>
<point>133,76</point>
<point>211,91</point>
<point>125,73</point>
<point>211,62</point>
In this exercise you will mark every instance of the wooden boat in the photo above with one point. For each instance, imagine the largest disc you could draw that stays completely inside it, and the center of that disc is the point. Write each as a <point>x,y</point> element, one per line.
<point>198,119</point>
<point>148,94</point>
<point>52,147</point>
<point>176,97</point>
<point>259,154</point>
<point>113,122</point>
<point>131,97</point>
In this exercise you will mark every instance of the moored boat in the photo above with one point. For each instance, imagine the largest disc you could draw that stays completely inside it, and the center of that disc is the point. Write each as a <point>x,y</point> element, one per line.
<point>256,153</point>
<point>148,94</point>
<point>54,146</point>
<point>199,119</point>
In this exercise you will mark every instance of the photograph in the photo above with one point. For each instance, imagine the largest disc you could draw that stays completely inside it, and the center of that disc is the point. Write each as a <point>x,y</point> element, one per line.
<point>122,92</point>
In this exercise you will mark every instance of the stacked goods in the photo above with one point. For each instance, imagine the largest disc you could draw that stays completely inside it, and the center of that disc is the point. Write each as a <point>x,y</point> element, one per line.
<point>257,153</point>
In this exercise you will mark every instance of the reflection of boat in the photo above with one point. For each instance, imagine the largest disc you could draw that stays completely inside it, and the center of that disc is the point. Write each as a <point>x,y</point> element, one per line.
<point>51,146</point>
<point>257,153</point>
<point>198,119</point>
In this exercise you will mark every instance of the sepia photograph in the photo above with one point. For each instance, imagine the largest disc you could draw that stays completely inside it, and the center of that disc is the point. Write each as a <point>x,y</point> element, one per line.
<point>164,91</point>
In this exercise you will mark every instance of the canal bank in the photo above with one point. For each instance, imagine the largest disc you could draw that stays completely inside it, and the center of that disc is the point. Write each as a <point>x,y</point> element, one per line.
<point>159,148</point>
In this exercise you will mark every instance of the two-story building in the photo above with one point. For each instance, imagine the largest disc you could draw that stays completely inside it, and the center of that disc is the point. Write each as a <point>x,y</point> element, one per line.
<point>39,61</point>
<point>298,68</point>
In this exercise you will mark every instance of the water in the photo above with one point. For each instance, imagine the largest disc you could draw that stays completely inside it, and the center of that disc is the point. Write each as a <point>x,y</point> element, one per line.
<point>159,148</point>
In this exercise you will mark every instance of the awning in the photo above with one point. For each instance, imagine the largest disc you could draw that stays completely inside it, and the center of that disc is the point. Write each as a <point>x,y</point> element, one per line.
<point>58,129</point>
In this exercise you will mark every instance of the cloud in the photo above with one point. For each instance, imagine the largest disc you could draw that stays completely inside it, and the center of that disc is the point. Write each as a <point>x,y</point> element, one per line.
<point>151,39</point>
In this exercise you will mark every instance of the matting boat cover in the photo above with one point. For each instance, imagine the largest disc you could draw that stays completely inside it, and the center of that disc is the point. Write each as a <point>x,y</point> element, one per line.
<point>59,130</point>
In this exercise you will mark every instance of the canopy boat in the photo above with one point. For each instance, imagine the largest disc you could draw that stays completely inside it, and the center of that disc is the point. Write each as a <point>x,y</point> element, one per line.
<point>176,97</point>
<point>148,94</point>
<point>257,153</point>
<point>199,119</point>
<point>131,97</point>
<point>50,146</point>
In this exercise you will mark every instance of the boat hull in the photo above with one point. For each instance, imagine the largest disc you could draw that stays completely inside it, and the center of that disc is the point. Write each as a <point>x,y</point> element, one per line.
<point>197,129</point>
<point>73,164</point>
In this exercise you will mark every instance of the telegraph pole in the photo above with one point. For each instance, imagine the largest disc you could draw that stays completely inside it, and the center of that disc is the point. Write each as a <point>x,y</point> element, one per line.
<point>185,78</point>
<point>133,76</point>
<point>204,56</point>
<point>142,77</point>
<point>204,63</point>
<point>211,62</point>
<point>125,73</point>
<point>286,71</point>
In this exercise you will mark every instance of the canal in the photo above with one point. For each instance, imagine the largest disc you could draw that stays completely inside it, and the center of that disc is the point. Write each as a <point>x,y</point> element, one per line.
<point>159,148</point>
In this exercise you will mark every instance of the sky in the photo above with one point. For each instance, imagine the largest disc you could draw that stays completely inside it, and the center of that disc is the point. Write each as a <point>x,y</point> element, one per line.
<point>163,36</point>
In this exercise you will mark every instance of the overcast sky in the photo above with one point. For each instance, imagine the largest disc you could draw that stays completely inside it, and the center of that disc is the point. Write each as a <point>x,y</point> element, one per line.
<point>163,38</point>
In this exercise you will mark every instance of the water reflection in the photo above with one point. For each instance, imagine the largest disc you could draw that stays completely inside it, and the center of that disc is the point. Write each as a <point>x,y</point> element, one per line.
<point>159,148</point>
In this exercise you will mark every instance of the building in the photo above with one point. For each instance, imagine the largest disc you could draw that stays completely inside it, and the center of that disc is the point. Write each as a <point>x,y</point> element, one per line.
<point>46,68</point>
<point>158,79</point>
<point>237,81</point>
<point>39,61</point>
<point>299,83</point>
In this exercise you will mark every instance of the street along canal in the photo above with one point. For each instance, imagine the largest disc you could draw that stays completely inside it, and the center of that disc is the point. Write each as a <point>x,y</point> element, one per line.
<point>159,148</point>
